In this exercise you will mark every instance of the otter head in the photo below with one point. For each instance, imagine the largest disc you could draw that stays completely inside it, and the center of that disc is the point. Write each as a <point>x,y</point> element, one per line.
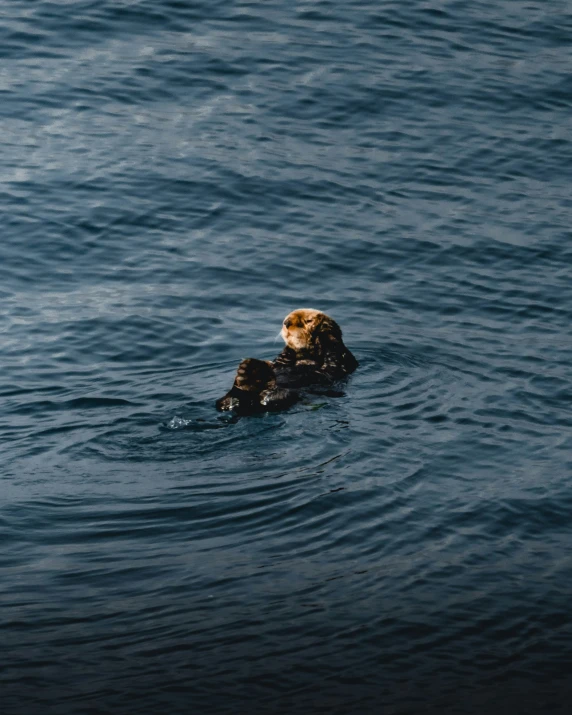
<point>307,329</point>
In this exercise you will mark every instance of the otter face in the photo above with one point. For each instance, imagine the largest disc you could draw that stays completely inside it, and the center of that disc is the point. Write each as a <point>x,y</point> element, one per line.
<point>302,327</point>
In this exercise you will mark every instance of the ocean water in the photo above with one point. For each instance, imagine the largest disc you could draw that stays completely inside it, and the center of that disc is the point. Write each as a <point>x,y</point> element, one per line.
<point>176,177</point>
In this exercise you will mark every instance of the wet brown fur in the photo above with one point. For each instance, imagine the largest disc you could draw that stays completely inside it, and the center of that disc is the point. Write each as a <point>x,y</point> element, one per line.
<point>314,354</point>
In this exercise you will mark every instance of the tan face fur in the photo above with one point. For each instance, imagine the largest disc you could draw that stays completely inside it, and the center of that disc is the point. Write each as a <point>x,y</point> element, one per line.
<point>301,328</point>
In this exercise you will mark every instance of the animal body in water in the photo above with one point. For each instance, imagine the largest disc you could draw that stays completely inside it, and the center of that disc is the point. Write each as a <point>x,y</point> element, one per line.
<point>314,357</point>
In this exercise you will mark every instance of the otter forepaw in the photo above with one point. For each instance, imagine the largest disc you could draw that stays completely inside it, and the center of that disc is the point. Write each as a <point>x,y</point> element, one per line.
<point>227,403</point>
<point>278,398</point>
<point>253,377</point>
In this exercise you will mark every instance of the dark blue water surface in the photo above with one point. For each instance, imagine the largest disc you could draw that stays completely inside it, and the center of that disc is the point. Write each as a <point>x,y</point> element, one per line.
<point>176,177</point>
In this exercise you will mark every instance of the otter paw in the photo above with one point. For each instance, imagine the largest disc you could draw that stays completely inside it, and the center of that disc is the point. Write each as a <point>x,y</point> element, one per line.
<point>228,403</point>
<point>254,375</point>
<point>278,398</point>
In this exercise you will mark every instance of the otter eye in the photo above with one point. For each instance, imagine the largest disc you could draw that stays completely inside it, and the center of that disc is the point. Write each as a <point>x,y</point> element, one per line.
<point>287,323</point>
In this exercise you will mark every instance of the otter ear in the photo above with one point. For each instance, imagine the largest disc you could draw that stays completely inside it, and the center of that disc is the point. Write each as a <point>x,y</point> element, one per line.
<point>313,321</point>
<point>328,327</point>
<point>312,327</point>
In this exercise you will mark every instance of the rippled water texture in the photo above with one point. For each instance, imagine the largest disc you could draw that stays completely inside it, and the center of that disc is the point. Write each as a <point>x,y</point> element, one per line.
<point>176,177</point>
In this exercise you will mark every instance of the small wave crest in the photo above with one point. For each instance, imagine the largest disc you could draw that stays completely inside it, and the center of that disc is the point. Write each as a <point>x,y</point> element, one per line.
<point>177,422</point>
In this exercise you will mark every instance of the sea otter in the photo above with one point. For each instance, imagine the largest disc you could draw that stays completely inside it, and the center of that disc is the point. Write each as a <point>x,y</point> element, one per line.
<point>314,356</point>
